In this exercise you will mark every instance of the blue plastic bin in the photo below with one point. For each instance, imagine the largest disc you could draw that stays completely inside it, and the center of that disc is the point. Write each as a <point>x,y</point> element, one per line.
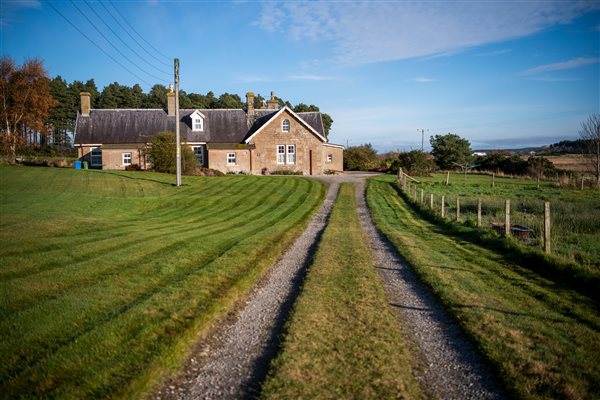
<point>77,164</point>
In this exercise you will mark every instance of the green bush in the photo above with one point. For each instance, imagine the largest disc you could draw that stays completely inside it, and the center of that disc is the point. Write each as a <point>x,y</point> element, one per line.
<point>285,172</point>
<point>162,155</point>
<point>360,158</point>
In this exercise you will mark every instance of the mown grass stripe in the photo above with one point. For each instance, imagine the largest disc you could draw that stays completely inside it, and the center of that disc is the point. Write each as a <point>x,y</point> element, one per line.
<point>38,295</point>
<point>293,205</point>
<point>81,255</point>
<point>296,210</point>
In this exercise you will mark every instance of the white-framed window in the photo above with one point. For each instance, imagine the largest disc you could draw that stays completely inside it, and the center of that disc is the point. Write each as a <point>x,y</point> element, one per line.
<point>197,119</point>
<point>281,154</point>
<point>286,154</point>
<point>285,125</point>
<point>329,157</point>
<point>291,154</point>
<point>231,159</point>
<point>198,124</point>
<point>126,158</point>
<point>199,152</point>
<point>96,157</point>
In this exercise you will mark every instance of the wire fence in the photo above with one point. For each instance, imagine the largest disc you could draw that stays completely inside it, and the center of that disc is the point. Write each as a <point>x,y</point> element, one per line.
<point>529,221</point>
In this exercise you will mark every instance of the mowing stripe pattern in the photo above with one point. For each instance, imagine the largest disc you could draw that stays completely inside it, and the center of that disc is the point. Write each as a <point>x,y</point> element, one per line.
<point>107,277</point>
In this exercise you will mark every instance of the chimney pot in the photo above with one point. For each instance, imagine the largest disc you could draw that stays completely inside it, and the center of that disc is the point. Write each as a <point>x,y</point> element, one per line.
<point>250,103</point>
<point>273,104</point>
<point>171,104</point>
<point>85,104</point>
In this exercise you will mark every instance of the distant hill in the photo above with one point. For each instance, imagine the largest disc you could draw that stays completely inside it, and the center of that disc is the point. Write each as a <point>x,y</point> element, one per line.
<point>563,147</point>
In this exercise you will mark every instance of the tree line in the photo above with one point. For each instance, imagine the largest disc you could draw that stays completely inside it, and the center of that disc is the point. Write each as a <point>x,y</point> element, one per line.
<point>450,152</point>
<point>37,111</point>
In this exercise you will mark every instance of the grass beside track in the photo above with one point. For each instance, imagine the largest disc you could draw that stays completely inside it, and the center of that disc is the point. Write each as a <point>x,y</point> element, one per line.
<point>575,213</point>
<point>342,341</point>
<point>107,277</point>
<point>543,338</point>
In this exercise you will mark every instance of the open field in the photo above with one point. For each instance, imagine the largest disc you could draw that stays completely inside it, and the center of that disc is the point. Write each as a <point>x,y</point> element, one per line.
<point>342,340</point>
<point>106,277</point>
<point>575,213</point>
<point>541,335</point>
<point>571,162</point>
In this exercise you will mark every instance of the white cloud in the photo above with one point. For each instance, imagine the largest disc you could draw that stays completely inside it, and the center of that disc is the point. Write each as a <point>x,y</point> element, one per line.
<point>559,66</point>
<point>493,53</point>
<point>422,79</point>
<point>308,77</point>
<point>366,32</point>
<point>10,8</point>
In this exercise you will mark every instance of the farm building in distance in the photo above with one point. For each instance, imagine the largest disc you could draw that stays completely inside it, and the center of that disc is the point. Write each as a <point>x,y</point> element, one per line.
<point>254,141</point>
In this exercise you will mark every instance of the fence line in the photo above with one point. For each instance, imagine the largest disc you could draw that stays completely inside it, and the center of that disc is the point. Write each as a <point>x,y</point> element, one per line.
<point>530,222</point>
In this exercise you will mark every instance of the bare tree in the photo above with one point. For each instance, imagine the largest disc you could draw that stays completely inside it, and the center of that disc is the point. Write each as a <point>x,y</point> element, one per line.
<point>590,132</point>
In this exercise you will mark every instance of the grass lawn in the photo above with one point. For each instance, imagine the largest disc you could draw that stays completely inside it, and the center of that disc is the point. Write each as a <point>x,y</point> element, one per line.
<point>575,213</point>
<point>543,337</point>
<point>342,341</point>
<point>108,277</point>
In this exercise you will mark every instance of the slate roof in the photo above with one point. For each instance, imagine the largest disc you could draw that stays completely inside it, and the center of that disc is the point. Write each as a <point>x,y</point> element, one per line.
<point>140,125</point>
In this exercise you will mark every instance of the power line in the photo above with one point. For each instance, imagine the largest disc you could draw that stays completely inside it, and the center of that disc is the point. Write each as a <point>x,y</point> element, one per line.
<point>122,41</point>
<point>127,32</point>
<point>133,29</point>
<point>95,44</point>
<point>115,47</point>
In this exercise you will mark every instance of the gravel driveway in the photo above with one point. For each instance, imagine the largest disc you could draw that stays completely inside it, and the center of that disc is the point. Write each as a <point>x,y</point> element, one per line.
<point>234,361</point>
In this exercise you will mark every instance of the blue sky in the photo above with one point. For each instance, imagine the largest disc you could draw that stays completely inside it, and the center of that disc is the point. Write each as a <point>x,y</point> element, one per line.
<point>503,74</point>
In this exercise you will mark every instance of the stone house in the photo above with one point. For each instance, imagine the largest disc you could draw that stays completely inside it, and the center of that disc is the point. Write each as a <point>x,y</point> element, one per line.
<point>255,141</point>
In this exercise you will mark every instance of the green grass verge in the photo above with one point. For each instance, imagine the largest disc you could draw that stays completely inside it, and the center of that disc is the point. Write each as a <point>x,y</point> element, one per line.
<point>107,278</point>
<point>543,338</point>
<point>575,213</point>
<point>342,341</point>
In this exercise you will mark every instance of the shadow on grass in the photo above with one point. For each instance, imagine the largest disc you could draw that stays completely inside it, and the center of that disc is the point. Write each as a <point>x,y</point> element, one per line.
<point>135,178</point>
<point>564,275</point>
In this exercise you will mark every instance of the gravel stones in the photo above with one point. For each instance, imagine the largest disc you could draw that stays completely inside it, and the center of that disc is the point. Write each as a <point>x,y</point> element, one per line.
<point>453,368</point>
<point>237,358</point>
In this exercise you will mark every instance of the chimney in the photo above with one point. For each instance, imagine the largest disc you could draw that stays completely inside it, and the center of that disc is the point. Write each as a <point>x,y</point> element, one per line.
<point>250,103</point>
<point>171,104</point>
<point>272,103</point>
<point>85,104</point>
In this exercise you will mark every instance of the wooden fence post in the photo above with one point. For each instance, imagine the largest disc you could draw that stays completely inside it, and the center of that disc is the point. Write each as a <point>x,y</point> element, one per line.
<point>493,180</point>
<point>547,237</point>
<point>507,219</point>
<point>457,209</point>
<point>582,178</point>
<point>443,204</point>
<point>422,196</point>
<point>479,213</point>
<point>431,201</point>
<point>415,195</point>
<point>447,178</point>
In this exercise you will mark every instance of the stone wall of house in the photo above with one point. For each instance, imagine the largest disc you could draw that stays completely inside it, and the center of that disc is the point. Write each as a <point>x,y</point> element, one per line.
<point>217,159</point>
<point>309,148</point>
<point>112,158</point>
<point>333,157</point>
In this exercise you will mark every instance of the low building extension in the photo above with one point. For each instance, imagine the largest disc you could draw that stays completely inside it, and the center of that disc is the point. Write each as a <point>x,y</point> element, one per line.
<point>255,141</point>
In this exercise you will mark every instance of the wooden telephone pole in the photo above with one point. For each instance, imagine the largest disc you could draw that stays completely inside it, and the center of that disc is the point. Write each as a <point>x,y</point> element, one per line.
<point>177,137</point>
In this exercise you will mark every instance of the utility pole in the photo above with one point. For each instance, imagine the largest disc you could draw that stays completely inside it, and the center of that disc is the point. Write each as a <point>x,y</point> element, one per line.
<point>422,138</point>
<point>177,138</point>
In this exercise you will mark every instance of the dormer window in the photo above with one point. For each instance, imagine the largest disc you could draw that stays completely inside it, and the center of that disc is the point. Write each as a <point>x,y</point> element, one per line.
<point>285,125</point>
<point>198,125</point>
<point>197,121</point>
